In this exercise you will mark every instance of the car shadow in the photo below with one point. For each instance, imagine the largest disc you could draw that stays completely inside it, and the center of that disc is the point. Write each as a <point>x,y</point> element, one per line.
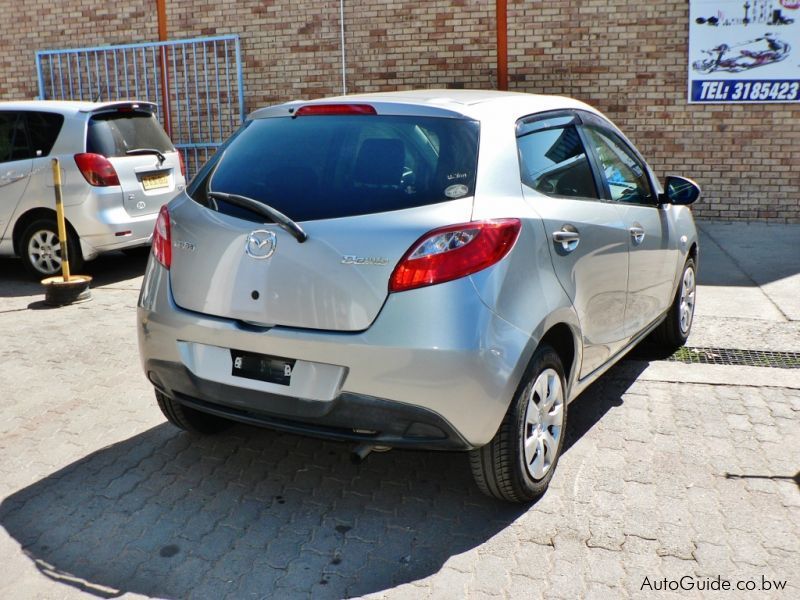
<point>253,512</point>
<point>107,270</point>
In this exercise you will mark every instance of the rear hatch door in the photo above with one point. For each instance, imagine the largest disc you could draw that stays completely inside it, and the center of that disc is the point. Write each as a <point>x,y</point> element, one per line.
<point>364,189</point>
<point>144,158</point>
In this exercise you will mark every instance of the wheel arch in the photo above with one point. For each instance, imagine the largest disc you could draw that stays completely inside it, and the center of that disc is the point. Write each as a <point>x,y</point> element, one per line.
<point>693,252</point>
<point>29,217</point>
<point>561,337</point>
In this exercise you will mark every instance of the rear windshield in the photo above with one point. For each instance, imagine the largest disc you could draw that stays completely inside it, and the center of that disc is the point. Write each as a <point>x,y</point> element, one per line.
<point>323,167</point>
<point>113,134</point>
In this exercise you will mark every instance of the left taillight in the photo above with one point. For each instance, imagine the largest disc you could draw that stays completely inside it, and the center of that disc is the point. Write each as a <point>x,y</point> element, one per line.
<point>96,169</point>
<point>162,238</point>
<point>455,251</point>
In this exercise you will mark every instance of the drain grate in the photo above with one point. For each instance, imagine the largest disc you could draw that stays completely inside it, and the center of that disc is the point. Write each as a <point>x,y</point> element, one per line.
<point>731,356</point>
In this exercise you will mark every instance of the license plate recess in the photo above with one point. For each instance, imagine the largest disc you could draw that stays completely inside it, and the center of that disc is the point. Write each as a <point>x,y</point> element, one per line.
<point>263,367</point>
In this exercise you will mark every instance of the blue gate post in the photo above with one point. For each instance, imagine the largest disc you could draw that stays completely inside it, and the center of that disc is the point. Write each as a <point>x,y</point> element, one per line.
<point>40,77</point>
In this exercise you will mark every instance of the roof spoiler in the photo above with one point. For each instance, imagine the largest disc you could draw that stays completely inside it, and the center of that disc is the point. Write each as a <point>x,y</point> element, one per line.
<point>126,106</point>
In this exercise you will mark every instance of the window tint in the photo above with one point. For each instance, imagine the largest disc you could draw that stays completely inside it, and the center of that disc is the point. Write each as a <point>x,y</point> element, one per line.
<point>13,138</point>
<point>43,129</point>
<point>624,173</point>
<point>322,167</point>
<point>113,134</point>
<point>554,162</point>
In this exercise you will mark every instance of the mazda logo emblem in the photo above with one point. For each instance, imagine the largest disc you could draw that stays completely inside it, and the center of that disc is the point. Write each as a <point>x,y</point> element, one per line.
<point>260,244</point>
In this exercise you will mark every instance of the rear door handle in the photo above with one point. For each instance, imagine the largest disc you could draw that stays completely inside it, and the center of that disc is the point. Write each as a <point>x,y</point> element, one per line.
<point>637,233</point>
<point>568,237</point>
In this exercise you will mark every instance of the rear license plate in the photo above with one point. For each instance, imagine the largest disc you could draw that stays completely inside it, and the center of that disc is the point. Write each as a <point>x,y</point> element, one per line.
<point>154,182</point>
<point>262,367</point>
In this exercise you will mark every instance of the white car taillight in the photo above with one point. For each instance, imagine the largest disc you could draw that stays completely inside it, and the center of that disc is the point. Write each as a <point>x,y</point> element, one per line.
<point>96,169</point>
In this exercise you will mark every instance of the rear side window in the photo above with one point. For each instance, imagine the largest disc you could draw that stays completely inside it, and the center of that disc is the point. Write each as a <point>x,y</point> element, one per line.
<point>323,167</point>
<point>43,129</point>
<point>13,137</point>
<point>554,162</point>
<point>115,133</point>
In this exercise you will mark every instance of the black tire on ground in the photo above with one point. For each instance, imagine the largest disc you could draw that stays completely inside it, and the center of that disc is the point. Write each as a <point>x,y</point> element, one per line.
<point>673,332</point>
<point>501,468</point>
<point>48,227</point>
<point>189,419</point>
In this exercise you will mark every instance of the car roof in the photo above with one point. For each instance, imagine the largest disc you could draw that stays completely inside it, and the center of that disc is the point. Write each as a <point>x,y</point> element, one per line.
<point>69,107</point>
<point>477,104</point>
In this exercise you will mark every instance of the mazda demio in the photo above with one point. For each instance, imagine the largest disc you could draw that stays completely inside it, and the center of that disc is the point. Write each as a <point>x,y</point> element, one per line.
<point>438,269</point>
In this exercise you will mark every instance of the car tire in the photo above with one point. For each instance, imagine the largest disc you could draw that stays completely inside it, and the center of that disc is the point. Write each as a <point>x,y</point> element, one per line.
<point>190,419</point>
<point>40,249</point>
<point>518,463</point>
<point>674,330</point>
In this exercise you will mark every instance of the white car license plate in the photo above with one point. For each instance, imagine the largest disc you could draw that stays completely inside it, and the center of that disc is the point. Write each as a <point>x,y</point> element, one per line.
<point>154,182</point>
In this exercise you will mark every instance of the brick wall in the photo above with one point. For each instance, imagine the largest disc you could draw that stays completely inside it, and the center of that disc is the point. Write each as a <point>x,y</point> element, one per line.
<point>627,58</point>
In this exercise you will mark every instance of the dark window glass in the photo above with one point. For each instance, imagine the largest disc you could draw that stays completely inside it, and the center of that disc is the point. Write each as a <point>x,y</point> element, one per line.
<point>7,122</point>
<point>323,167</point>
<point>622,170</point>
<point>554,162</point>
<point>113,134</point>
<point>13,138</point>
<point>43,129</point>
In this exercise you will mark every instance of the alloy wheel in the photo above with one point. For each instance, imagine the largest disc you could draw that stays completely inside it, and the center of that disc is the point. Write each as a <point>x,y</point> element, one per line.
<point>686,308</point>
<point>544,421</point>
<point>44,252</point>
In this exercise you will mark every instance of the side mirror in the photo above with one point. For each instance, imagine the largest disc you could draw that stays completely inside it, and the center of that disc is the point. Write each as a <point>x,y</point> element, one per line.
<point>679,190</point>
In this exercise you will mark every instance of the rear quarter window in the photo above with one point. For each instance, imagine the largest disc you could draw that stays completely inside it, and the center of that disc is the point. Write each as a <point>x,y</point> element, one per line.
<point>115,133</point>
<point>322,167</point>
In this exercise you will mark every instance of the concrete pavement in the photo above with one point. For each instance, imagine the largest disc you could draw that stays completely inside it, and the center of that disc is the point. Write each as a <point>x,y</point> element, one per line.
<point>671,470</point>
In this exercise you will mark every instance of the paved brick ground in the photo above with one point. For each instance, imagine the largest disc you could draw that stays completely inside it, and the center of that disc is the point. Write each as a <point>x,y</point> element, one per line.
<point>661,479</point>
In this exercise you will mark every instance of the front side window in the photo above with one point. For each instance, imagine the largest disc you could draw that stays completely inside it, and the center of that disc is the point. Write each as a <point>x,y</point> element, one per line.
<point>623,172</point>
<point>554,162</point>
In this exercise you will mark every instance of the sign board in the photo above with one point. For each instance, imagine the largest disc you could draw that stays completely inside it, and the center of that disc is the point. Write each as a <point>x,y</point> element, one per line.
<point>744,51</point>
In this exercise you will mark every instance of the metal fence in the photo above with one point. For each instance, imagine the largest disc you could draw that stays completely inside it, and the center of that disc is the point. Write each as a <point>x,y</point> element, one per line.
<point>196,84</point>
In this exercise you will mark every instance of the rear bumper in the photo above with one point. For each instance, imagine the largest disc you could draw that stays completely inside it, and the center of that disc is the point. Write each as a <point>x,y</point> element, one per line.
<point>348,417</point>
<point>437,368</point>
<point>112,229</point>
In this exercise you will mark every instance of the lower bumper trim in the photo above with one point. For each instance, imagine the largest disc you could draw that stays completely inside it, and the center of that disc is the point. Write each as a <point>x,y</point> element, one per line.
<point>348,417</point>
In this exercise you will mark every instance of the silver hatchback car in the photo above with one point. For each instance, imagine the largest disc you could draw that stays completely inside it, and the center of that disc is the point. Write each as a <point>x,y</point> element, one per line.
<point>434,269</point>
<point>118,169</point>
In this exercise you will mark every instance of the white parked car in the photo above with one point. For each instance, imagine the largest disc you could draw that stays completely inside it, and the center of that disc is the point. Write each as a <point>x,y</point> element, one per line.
<point>118,168</point>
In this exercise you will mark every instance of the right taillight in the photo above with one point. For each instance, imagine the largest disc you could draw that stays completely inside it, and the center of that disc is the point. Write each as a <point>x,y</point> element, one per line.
<point>454,251</point>
<point>162,238</point>
<point>96,169</point>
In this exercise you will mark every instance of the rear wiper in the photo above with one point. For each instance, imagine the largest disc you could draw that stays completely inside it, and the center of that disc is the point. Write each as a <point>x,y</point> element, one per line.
<point>139,151</point>
<point>276,216</point>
